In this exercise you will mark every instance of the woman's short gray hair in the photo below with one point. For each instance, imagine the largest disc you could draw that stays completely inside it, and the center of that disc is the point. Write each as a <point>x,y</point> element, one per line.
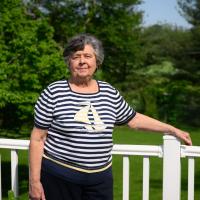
<point>78,43</point>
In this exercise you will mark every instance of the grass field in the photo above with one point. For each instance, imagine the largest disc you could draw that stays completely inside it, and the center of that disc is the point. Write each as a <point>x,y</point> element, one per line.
<point>122,135</point>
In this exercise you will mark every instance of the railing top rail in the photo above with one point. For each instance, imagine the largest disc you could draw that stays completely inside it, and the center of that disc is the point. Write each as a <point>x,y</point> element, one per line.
<point>14,143</point>
<point>140,150</point>
<point>190,151</point>
<point>118,149</point>
<point>122,149</point>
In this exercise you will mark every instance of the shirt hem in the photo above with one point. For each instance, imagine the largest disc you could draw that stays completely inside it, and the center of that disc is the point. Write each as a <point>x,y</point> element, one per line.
<point>77,168</point>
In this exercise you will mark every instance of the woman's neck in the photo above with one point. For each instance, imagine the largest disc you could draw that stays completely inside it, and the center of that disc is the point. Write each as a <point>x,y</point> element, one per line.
<point>81,82</point>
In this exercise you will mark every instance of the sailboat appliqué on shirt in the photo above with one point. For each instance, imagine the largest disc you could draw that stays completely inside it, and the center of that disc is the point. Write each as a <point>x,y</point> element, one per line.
<point>82,116</point>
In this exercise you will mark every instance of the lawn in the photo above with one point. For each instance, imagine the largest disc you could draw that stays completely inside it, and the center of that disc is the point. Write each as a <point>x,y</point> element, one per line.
<point>122,135</point>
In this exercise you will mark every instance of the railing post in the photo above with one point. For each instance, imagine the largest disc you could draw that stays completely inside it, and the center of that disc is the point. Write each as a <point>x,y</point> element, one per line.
<point>14,172</point>
<point>171,168</point>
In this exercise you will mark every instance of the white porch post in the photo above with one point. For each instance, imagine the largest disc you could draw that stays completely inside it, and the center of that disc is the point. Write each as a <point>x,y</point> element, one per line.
<point>171,168</point>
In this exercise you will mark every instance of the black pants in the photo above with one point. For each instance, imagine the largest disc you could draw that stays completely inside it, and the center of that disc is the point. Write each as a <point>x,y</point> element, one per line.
<point>58,189</point>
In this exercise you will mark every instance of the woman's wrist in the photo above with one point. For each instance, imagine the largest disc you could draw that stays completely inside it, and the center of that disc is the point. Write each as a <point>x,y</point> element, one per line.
<point>172,130</point>
<point>34,179</point>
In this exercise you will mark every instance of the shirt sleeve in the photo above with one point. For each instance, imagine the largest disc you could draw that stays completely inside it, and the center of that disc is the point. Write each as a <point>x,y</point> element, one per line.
<point>124,113</point>
<point>44,110</point>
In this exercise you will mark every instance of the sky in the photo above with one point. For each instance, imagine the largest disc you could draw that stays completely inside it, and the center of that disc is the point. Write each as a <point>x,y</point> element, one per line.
<point>162,11</point>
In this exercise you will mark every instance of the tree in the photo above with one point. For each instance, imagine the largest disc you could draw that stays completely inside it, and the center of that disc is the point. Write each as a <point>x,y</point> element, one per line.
<point>169,84</point>
<point>116,23</point>
<point>30,59</point>
<point>190,9</point>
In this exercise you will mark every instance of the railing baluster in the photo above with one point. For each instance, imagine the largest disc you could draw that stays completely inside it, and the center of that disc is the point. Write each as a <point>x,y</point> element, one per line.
<point>126,177</point>
<point>191,169</point>
<point>14,172</point>
<point>146,169</point>
<point>0,180</point>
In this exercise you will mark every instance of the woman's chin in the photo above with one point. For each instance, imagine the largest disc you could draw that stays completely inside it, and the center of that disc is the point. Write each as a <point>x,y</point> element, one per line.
<point>83,77</point>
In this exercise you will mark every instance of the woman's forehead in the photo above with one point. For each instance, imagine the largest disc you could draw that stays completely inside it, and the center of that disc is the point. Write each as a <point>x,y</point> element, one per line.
<point>86,49</point>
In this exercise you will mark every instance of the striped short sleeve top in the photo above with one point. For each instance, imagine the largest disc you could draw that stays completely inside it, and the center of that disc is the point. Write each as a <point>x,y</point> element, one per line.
<point>80,125</point>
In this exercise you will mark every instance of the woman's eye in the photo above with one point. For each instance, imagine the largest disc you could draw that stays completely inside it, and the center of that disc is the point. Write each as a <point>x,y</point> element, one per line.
<point>88,56</point>
<point>75,57</point>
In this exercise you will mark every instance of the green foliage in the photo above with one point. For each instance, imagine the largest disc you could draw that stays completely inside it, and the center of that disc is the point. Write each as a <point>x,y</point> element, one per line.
<point>116,23</point>
<point>30,59</point>
<point>163,42</point>
<point>30,54</point>
<point>11,195</point>
<point>181,103</point>
<point>171,73</point>
<point>156,68</point>
<point>189,62</point>
<point>190,10</point>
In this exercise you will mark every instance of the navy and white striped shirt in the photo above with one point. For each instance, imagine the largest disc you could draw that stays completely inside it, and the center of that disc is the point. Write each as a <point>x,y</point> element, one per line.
<point>80,125</point>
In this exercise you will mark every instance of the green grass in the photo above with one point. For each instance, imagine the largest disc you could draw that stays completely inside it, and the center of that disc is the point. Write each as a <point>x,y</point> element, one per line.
<point>122,135</point>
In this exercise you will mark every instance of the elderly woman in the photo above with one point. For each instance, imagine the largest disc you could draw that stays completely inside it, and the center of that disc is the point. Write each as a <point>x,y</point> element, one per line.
<point>71,142</point>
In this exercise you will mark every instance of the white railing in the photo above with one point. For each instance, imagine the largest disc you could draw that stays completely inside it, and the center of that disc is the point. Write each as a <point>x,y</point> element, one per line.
<point>171,151</point>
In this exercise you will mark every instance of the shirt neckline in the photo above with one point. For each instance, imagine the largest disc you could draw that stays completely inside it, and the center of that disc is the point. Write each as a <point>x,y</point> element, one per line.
<point>82,93</point>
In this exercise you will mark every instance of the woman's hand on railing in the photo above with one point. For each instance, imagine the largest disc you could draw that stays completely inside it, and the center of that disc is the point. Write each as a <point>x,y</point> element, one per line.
<point>184,136</point>
<point>36,191</point>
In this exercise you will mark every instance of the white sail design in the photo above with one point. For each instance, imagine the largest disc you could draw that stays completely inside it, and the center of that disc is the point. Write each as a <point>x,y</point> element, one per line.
<point>82,116</point>
<point>98,124</point>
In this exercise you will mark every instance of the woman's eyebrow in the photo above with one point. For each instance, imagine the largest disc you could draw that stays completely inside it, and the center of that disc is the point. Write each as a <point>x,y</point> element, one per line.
<point>85,53</point>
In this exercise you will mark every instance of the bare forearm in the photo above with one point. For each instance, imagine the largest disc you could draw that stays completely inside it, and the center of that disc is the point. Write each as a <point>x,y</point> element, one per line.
<point>143,122</point>
<point>35,153</point>
<point>36,148</point>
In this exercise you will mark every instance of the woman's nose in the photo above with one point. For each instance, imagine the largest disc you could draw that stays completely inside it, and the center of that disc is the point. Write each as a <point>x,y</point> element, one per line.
<point>82,60</point>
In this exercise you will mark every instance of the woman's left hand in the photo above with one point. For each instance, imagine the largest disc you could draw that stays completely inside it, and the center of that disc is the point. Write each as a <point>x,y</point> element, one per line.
<point>184,136</point>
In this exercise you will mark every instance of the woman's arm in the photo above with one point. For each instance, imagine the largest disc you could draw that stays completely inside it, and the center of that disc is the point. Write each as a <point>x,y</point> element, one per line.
<point>38,137</point>
<point>143,122</point>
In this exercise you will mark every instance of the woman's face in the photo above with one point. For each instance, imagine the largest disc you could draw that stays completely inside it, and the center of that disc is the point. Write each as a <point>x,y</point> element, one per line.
<point>83,63</point>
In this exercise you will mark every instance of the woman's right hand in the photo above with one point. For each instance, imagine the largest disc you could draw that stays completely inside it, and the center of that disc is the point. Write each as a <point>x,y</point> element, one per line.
<point>36,191</point>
